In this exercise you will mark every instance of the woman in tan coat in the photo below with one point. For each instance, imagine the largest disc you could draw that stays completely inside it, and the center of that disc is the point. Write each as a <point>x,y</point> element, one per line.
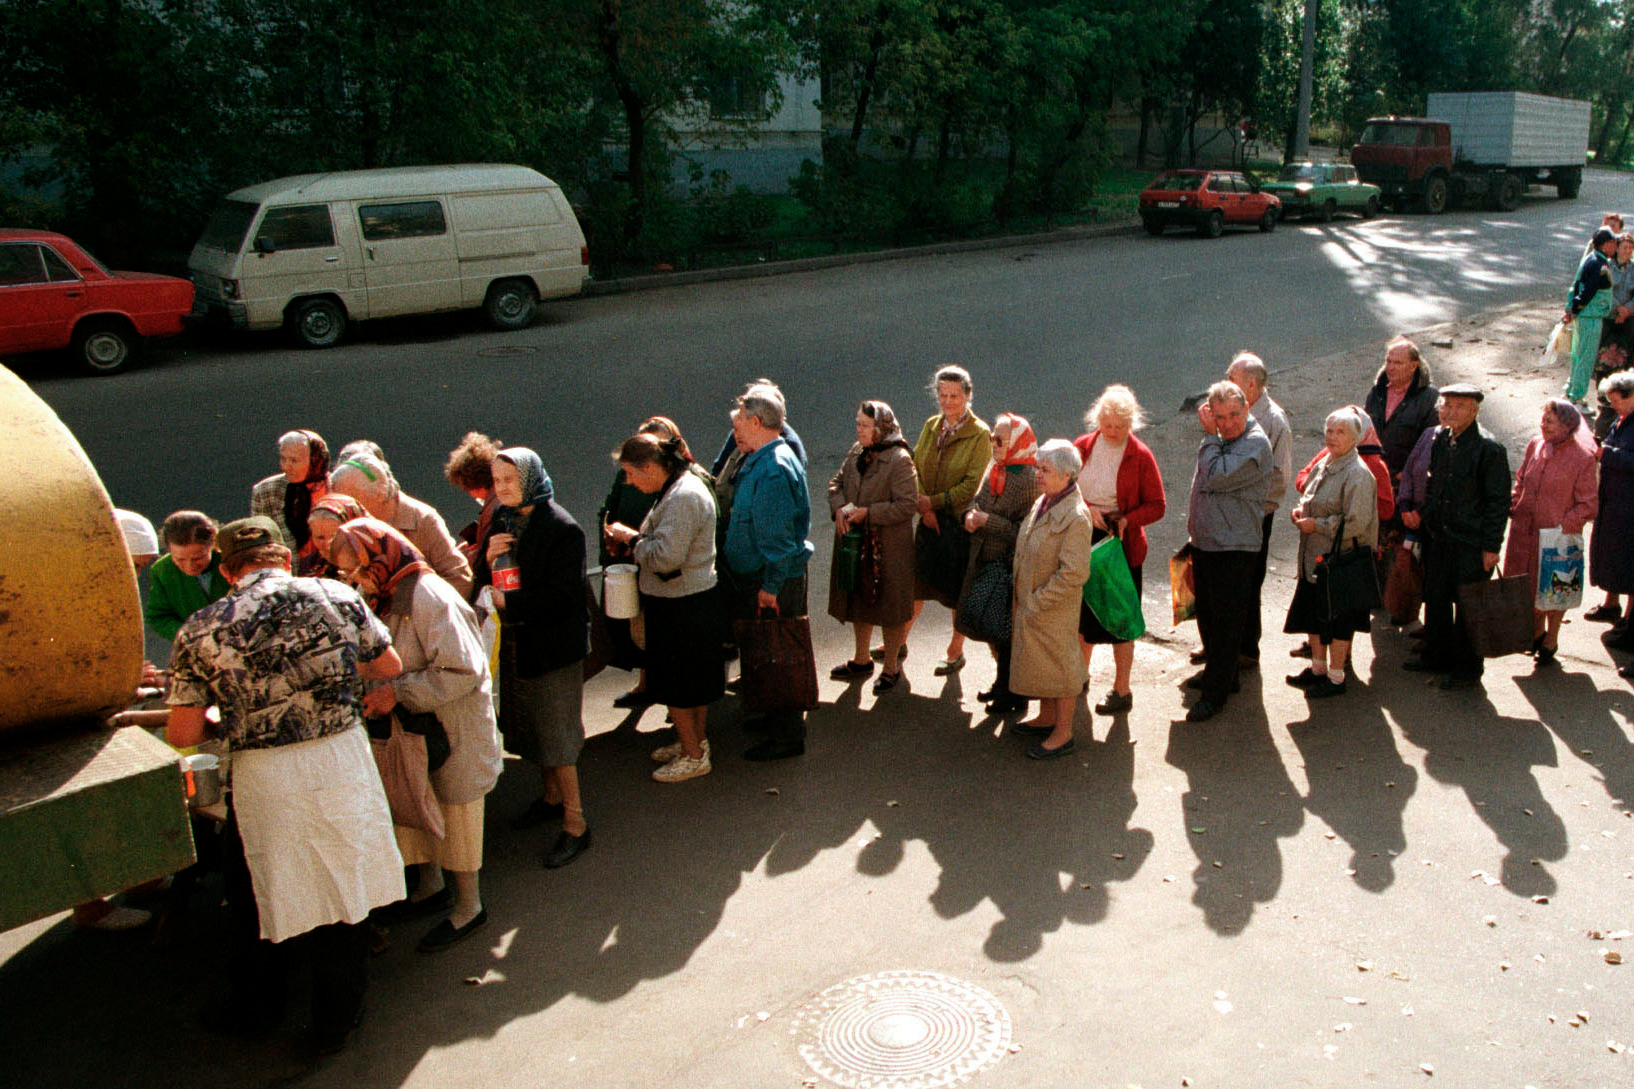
<point>875,494</point>
<point>1052,565</point>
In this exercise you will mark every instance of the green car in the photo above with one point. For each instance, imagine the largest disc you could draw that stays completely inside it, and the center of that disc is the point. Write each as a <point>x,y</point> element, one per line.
<point>1323,189</point>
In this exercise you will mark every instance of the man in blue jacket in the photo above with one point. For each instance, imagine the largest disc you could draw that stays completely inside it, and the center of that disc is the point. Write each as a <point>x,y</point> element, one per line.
<point>766,546</point>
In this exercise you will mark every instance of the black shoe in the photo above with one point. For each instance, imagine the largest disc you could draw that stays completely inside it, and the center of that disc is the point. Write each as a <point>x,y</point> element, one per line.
<point>878,654</point>
<point>1546,655</point>
<point>1306,678</point>
<point>1537,643</point>
<point>1620,640</point>
<point>540,812</point>
<point>445,933</point>
<point>772,749</point>
<point>1115,704</point>
<point>886,681</point>
<point>1457,682</point>
<point>333,1041</point>
<point>1202,711</point>
<point>439,901</point>
<point>1022,729</point>
<point>633,701</point>
<point>1420,664</point>
<point>1324,688</point>
<point>990,695</point>
<point>1626,672</point>
<point>849,670</point>
<point>735,684</point>
<point>1195,682</point>
<point>1303,650</point>
<point>1248,661</point>
<point>1198,657</point>
<point>1606,612</point>
<point>566,848</point>
<point>1007,705</point>
<point>1039,752</point>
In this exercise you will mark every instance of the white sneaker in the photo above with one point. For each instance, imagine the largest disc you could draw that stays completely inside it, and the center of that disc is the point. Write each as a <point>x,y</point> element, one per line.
<point>667,753</point>
<point>682,768</point>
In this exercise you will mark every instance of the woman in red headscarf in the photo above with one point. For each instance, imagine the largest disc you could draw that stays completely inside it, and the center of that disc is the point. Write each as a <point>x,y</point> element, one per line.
<point>328,515</point>
<point>445,673</point>
<point>304,458</point>
<point>1006,495</point>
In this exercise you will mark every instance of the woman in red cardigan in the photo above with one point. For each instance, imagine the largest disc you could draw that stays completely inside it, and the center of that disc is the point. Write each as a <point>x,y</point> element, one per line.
<point>1124,492</point>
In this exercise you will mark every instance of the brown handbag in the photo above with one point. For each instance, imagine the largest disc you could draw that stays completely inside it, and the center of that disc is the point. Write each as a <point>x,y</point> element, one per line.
<point>1404,589</point>
<point>778,669</point>
<point>1497,615</point>
<point>400,758</point>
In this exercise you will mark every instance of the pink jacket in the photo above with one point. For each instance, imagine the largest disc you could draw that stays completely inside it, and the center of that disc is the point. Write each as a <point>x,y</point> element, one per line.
<point>1557,487</point>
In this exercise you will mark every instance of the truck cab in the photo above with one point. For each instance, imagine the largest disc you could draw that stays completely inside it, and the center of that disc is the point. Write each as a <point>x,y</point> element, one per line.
<point>1408,158</point>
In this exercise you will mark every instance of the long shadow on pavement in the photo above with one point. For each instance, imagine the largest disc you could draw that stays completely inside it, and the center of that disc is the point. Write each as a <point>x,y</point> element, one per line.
<point>1586,721</point>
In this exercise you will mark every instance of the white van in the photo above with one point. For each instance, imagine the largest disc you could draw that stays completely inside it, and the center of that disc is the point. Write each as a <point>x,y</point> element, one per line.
<point>316,251</point>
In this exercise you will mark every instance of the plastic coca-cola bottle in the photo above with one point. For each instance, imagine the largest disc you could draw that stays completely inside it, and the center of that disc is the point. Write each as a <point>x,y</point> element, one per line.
<point>507,575</point>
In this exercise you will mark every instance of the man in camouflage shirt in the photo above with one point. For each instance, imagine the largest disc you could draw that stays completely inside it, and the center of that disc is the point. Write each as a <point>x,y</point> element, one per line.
<point>311,849</point>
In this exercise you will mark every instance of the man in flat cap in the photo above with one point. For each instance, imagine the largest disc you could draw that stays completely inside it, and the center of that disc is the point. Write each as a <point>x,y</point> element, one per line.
<point>311,849</point>
<point>1466,507</point>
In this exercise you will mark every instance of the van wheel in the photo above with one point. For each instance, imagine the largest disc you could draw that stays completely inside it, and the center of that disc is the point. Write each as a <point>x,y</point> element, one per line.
<point>104,346</point>
<point>318,323</point>
<point>511,304</point>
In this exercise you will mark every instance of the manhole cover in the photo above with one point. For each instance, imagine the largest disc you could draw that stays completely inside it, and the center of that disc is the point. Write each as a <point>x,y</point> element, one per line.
<point>508,349</point>
<point>902,1030</point>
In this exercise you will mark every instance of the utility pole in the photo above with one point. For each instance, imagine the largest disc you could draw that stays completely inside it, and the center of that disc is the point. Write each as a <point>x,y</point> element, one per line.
<point>1307,61</point>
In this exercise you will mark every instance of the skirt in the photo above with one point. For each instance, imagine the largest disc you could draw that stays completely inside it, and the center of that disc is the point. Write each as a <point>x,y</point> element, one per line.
<point>460,849</point>
<point>1307,615</point>
<point>541,719</point>
<point>1089,628</point>
<point>317,833</point>
<point>685,667</point>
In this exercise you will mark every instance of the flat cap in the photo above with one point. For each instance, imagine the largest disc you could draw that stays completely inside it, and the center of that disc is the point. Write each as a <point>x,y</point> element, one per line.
<point>1463,389</point>
<point>239,537</point>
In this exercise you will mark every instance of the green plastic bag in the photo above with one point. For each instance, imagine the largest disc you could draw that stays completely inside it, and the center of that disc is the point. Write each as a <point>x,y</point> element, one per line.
<point>847,561</point>
<point>1110,591</point>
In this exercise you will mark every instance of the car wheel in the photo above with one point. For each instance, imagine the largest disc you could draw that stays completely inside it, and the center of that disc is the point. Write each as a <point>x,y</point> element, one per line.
<point>1434,200</point>
<point>1213,225</point>
<point>318,323</point>
<point>1371,209</point>
<point>1329,207</point>
<point>511,304</point>
<point>1268,221</point>
<point>1154,227</point>
<point>104,346</point>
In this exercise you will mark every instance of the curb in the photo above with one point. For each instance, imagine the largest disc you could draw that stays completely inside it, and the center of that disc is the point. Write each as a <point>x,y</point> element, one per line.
<point>629,284</point>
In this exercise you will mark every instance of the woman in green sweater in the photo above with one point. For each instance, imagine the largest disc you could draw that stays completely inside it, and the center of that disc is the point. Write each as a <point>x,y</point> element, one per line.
<point>186,578</point>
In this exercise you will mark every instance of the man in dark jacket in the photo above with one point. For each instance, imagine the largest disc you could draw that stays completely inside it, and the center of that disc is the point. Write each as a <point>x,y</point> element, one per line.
<point>1466,506</point>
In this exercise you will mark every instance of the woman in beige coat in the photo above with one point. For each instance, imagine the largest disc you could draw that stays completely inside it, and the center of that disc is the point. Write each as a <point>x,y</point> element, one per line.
<point>1052,565</point>
<point>875,492</point>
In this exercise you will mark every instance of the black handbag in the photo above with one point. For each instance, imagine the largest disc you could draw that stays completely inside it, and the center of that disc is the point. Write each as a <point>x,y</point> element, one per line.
<point>424,723</point>
<point>1349,575</point>
<point>985,615</point>
<point>940,558</point>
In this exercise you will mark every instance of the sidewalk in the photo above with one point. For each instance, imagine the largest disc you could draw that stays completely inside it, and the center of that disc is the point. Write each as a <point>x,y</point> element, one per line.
<point>1395,887</point>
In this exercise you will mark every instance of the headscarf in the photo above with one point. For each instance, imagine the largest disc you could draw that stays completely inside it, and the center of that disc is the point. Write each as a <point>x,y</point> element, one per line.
<point>1568,415</point>
<point>343,507</point>
<point>298,498</point>
<point>1021,448</point>
<point>887,433</point>
<point>536,486</point>
<point>384,555</point>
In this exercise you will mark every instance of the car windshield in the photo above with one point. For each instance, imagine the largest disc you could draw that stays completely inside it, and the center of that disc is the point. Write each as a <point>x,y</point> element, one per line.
<point>1395,135</point>
<point>1176,180</point>
<point>228,225</point>
<point>1301,172</point>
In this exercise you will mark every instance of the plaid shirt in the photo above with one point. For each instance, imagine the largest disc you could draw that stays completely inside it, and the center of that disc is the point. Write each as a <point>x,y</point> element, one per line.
<point>279,656</point>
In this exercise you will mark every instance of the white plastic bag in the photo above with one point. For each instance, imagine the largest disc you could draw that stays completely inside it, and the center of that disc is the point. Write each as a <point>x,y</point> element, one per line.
<point>1560,570</point>
<point>1558,345</point>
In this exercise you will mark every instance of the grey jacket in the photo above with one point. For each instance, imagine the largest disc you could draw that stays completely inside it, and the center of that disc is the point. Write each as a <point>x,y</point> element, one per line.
<point>1229,491</point>
<point>1270,416</point>
<point>676,549</point>
<point>1339,488</point>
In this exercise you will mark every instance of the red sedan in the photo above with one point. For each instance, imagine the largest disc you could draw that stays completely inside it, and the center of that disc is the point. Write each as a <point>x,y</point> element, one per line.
<point>54,295</point>
<point>1207,200</point>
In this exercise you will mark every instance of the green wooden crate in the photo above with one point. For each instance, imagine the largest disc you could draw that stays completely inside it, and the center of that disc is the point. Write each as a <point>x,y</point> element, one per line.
<point>87,815</point>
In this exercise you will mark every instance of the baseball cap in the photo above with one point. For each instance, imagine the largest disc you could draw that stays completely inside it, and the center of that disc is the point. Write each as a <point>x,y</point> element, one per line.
<point>239,537</point>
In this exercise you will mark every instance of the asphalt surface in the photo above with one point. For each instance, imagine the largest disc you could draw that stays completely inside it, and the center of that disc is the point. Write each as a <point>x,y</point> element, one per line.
<point>1329,895</point>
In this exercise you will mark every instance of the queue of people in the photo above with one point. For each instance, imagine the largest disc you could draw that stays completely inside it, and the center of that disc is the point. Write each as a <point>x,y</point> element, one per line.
<point>343,614</point>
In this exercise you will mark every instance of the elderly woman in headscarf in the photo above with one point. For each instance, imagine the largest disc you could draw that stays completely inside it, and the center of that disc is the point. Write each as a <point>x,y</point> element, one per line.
<point>1557,487</point>
<point>1337,511</point>
<point>1008,490</point>
<point>873,498</point>
<point>1587,305</point>
<point>537,558</point>
<point>1052,565</point>
<point>674,552</point>
<point>327,516</point>
<point>304,458</point>
<point>445,674</point>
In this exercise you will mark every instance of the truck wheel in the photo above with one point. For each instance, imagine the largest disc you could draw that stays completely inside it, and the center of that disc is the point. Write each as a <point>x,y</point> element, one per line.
<point>1213,226</point>
<point>1568,182</point>
<point>317,323</point>
<point>1371,209</point>
<point>1434,200</point>
<point>1329,207</point>
<point>1509,193</point>
<point>511,304</point>
<point>104,346</point>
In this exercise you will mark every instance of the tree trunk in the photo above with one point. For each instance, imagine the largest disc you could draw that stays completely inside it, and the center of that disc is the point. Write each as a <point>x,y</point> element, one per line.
<point>1148,105</point>
<point>876,46</point>
<point>610,42</point>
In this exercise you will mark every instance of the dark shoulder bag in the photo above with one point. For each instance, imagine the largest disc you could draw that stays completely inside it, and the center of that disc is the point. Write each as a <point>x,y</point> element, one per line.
<point>1349,575</point>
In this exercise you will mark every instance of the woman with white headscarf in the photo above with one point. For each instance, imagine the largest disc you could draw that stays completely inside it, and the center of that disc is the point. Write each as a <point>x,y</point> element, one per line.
<point>1338,511</point>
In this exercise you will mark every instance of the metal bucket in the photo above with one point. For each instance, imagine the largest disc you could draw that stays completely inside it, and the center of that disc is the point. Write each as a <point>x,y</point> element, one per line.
<point>619,595</point>
<point>201,773</point>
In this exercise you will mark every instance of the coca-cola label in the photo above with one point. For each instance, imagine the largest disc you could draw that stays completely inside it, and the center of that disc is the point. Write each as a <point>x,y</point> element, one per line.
<point>507,578</point>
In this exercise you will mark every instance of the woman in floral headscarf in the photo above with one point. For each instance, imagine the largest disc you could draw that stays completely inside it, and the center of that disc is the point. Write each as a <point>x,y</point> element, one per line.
<point>1006,495</point>
<point>537,558</point>
<point>875,494</point>
<point>445,673</point>
<point>304,458</point>
<point>328,515</point>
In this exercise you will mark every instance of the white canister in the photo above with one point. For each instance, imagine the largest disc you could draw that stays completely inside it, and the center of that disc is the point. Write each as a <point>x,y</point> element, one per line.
<point>619,595</point>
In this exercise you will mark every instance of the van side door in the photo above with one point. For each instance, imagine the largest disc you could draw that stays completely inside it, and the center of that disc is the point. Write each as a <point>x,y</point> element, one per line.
<point>293,253</point>
<point>409,262</point>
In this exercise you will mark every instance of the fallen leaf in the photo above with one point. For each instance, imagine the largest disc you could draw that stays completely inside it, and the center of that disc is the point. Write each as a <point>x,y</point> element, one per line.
<point>1504,966</point>
<point>1427,1068</point>
<point>1218,865</point>
<point>762,1016</point>
<point>1528,812</point>
<point>1595,935</point>
<point>1407,1011</point>
<point>1364,966</point>
<point>1619,935</point>
<point>1014,1048</point>
<point>1613,957</point>
<point>1330,1050</point>
<point>892,805</point>
<point>1490,920</point>
<point>1582,1015</point>
<point>1538,957</point>
<point>1540,899</point>
<point>1349,1001</point>
<point>1222,1006</point>
<point>1488,879</point>
<point>1390,784</point>
<point>1328,835</point>
<point>1198,829</point>
<point>1343,1026</point>
<point>1117,855</point>
<point>1168,878</point>
<point>1616,1048</point>
<point>773,791</point>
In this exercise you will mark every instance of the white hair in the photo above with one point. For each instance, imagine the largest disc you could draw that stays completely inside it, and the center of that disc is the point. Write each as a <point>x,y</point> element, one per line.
<point>293,438</point>
<point>1060,455</point>
<point>1349,417</point>
<point>363,475</point>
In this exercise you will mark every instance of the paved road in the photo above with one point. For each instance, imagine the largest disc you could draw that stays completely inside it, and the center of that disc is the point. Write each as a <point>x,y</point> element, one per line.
<point>1288,896</point>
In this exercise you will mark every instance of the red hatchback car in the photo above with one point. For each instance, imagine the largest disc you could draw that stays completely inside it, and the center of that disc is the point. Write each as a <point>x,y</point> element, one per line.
<point>54,295</point>
<point>1207,200</point>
